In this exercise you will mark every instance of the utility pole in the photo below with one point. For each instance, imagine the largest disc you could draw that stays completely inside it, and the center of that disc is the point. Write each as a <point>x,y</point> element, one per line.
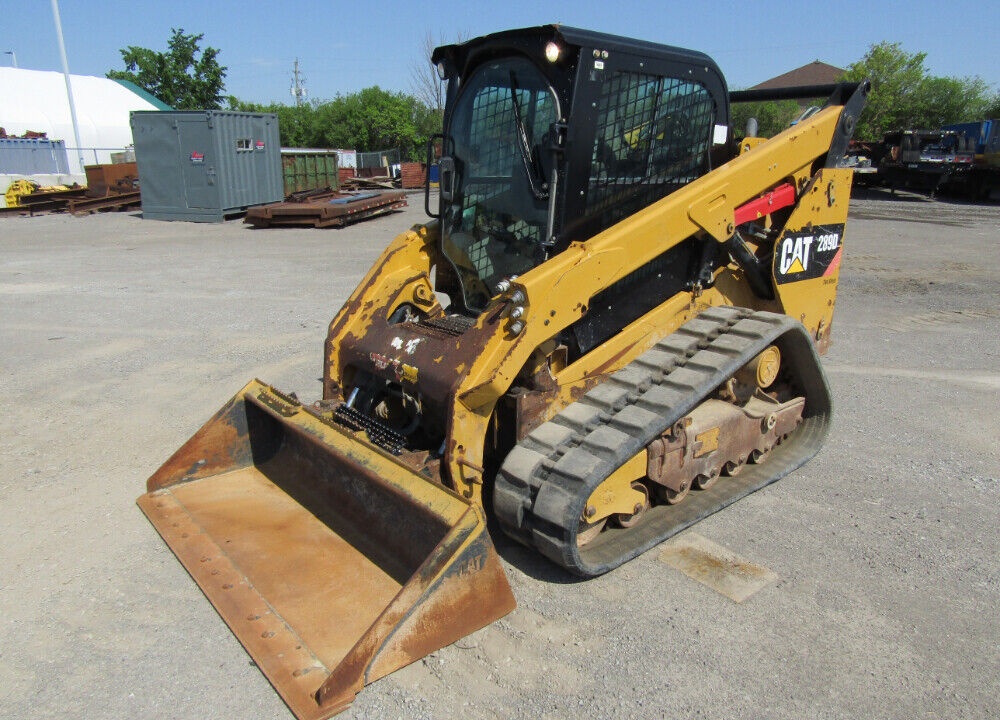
<point>298,84</point>
<point>69,86</point>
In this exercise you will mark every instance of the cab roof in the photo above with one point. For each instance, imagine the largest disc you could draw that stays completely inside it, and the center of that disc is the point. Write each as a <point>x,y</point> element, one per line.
<point>535,38</point>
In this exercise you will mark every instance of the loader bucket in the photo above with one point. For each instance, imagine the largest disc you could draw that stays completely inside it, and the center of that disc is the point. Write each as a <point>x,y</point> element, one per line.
<point>333,563</point>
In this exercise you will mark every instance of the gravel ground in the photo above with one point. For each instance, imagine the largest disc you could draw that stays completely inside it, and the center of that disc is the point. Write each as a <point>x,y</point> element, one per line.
<point>121,336</point>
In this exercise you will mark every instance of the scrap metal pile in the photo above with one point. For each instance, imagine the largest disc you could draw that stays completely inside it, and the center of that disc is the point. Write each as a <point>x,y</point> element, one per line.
<point>325,208</point>
<point>405,176</point>
<point>27,197</point>
<point>961,159</point>
<point>109,187</point>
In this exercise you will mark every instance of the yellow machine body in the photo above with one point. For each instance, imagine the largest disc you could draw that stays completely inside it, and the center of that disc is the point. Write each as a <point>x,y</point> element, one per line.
<point>338,552</point>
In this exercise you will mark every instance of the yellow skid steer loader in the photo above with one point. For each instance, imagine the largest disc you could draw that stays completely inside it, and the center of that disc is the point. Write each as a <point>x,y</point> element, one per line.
<point>609,330</point>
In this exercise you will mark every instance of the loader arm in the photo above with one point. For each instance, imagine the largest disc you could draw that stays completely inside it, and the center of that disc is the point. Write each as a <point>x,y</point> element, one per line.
<point>706,208</point>
<point>707,205</point>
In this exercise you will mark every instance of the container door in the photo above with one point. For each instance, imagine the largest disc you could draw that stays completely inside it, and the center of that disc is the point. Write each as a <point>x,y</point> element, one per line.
<point>200,164</point>
<point>249,160</point>
<point>266,169</point>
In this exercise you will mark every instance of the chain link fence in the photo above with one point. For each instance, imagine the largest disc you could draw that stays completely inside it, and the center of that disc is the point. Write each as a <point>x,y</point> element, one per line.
<point>379,163</point>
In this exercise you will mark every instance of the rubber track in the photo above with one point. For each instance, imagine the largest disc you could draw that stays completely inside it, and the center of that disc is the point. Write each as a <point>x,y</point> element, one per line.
<point>545,481</point>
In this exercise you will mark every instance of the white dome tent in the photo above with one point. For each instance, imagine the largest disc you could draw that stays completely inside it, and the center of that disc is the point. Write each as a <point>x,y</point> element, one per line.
<point>36,100</point>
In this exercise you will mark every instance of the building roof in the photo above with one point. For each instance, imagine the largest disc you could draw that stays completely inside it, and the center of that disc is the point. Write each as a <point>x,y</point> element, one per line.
<point>36,100</point>
<point>148,97</point>
<point>815,73</point>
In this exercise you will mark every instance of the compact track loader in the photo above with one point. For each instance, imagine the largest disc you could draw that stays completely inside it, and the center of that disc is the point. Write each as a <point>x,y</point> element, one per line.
<point>609,330</point>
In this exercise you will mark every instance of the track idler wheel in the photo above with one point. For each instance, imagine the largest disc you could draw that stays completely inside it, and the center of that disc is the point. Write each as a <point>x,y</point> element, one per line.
<point>631,520</point>
<point>588,531</point>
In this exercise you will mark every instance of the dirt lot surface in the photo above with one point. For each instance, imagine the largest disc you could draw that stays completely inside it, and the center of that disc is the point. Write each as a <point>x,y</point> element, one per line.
<point>119,337</point>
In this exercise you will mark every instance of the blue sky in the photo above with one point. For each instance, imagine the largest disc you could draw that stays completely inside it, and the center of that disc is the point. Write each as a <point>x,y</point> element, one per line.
<point>343,47</point>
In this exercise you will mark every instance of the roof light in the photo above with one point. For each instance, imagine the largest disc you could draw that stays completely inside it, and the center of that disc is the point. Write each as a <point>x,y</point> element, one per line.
<point>552,52</point>
<point>442,70</point>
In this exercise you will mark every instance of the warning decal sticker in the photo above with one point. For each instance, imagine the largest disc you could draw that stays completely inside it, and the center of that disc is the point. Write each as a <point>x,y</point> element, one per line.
<point>807,254</point>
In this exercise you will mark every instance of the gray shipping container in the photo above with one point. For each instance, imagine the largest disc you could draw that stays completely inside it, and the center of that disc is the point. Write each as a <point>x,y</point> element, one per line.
<point>33,156</point>
<point>202,165</point>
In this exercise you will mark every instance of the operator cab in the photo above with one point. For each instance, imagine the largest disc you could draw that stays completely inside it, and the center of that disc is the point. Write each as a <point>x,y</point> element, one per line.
<point>552,134</point>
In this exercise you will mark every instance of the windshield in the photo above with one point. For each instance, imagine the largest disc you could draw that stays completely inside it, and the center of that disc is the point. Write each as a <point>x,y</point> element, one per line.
<point>496,222</point>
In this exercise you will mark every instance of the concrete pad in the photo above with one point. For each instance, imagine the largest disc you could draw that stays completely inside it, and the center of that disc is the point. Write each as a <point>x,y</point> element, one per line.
<point>120,337</point>
<point>715,566</point>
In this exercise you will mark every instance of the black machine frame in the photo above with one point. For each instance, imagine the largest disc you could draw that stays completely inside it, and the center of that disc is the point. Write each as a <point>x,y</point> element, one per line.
<point>586,61</point>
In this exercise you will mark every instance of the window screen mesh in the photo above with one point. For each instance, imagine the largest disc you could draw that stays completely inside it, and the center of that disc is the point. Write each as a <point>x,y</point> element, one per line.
<point>653,137</point>
<point>496,219</point>
<point>495,162</point>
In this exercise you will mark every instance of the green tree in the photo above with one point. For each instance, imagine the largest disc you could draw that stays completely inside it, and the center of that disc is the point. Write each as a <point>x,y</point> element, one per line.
<point>427,121</point>
<point>372,119</point>
<point>943,101</point>
<point>993,109</point>
<point>296,123</point>
<point>895,76</point>
<point>772,116</point>
<point>178,76</point>
<point>904,96</point>
<point>369,120</point>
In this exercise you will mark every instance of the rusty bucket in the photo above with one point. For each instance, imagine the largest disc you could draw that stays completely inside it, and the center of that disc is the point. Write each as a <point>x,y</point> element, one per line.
<point>333,563</point>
